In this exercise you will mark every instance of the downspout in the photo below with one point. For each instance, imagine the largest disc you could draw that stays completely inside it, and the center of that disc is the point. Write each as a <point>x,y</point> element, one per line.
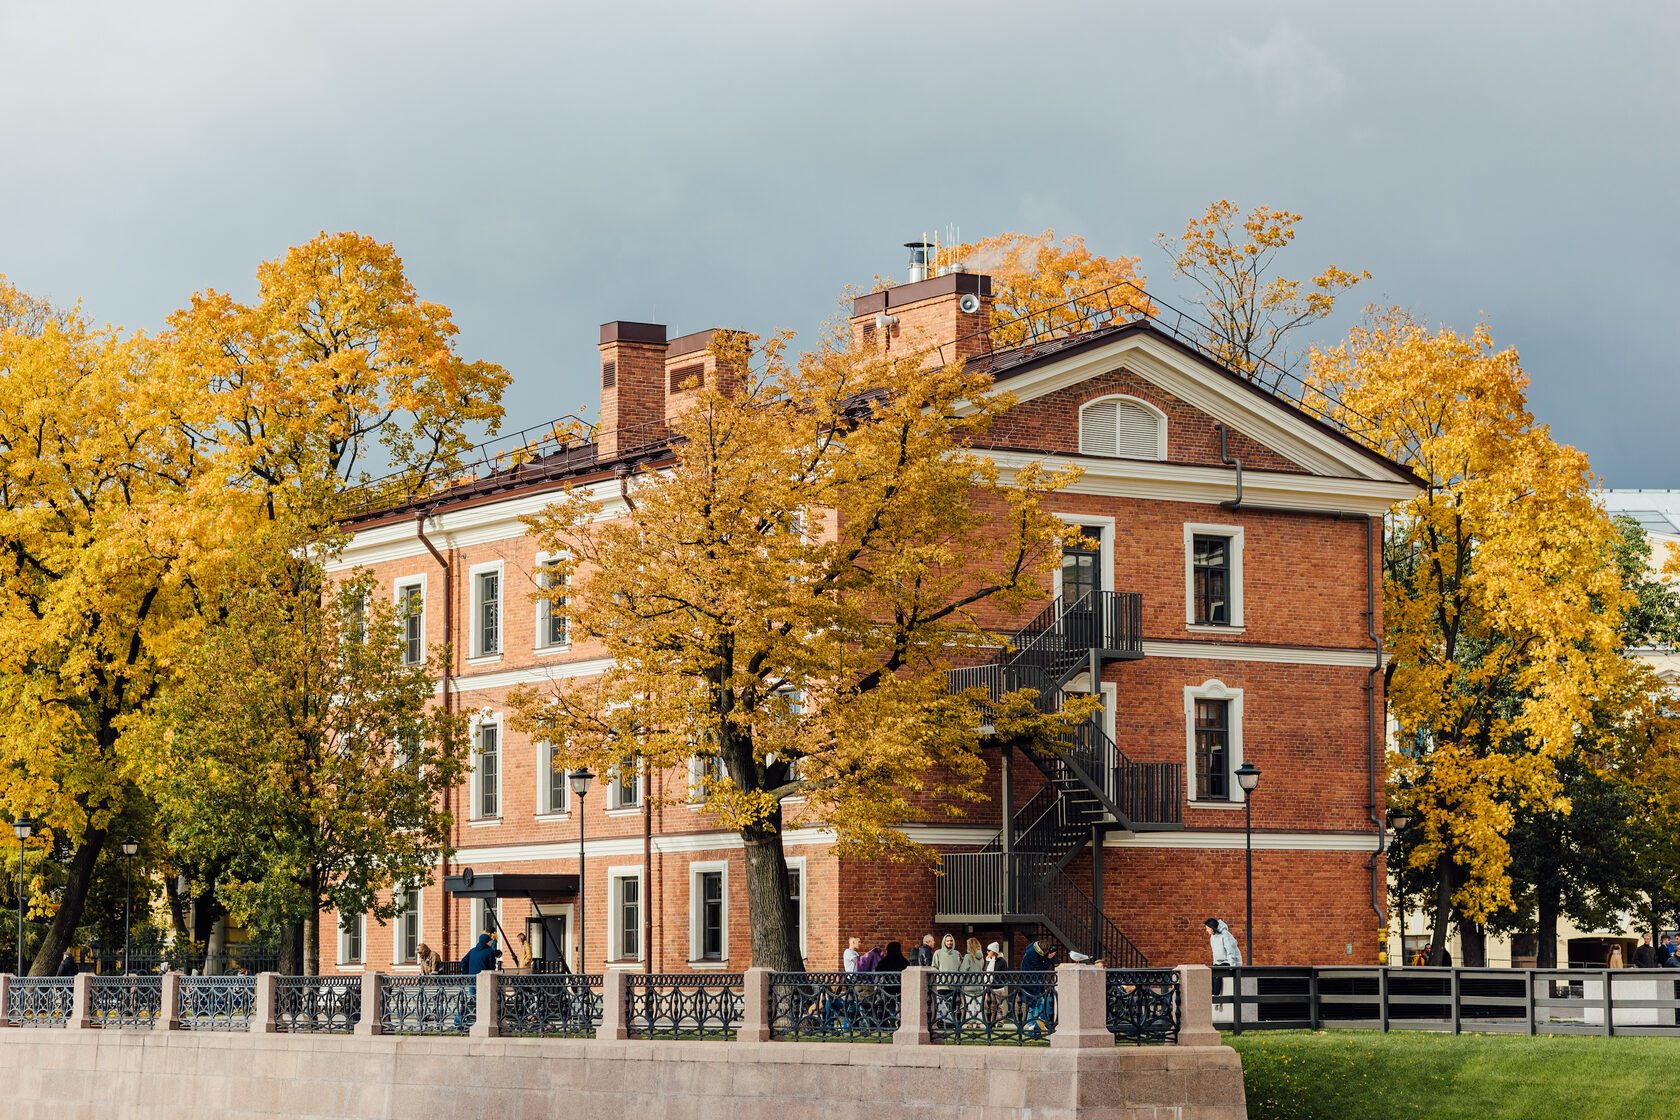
<point>1225,458</point>
<point>647,867</point>
<point>448,641</point>
<point>1371,726</point>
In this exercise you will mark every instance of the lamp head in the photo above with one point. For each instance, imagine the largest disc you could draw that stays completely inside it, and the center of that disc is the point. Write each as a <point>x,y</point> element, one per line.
<point>1399,819</point>
<point>130,845</point>
<point>24,827</point>
<point>581,780</point>
<point>1248,776</point>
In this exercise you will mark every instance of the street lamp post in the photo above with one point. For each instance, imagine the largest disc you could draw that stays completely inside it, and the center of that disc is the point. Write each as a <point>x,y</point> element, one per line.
<point>581,780</point>
<point>1398,819</point>
<point>25,828</point>
<point>129,846</point>
<point>1248,776</point>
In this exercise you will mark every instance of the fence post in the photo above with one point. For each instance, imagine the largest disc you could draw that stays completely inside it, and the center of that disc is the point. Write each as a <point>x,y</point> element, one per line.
<point>1237,999</point>
<point>5,999</point>
<point>262,1007</point>
<point>1382,998</point>
<point>913,1008</point>
<point>1457,1017</point>
<point>1081,1008</point>
<point>81,1003</point>
<point>169,1005</point>
<point>1312,998</point>
<point>1609,1028</point>
<point>615,994</point>
<point>1195,1006</point>
<point>1533,1026</point>
<point>373,992</point>
<point>755,1006</point>
<point>487,1003</point>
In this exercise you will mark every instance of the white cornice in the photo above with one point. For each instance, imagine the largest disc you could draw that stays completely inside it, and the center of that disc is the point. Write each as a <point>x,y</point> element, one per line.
<point>533,674</point>
<point>1279,655</point>
<point>1179,482</point>
<point>1207,839</point>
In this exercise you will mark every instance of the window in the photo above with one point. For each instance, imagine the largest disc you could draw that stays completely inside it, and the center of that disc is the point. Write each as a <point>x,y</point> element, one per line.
<point>1213,576</point>
<point>408,745</point>
<point>626,790</point>
<point>551,609</point>
<point>487,771</point>
<point>1082,566</point>
<point>708,936</point>
<point>1123,428</point>
<point>352,936</point>
<point>487,613</point>
<point>552,787</point>
<point>1213,743</point>
<point>411,601</point>
<point>796,901</point>
<point>356,626</point>
<point>405,938</point>
<point>624,932</point>
<point>703,769</point>
<point>486,919</point>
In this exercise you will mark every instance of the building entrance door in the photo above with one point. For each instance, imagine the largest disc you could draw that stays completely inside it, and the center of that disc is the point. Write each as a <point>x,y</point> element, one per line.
<point>1081,581</point>
<point>549,938</point>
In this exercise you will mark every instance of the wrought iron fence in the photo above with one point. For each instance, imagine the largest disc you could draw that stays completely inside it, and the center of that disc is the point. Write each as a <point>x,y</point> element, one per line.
<point>684,1005</point>
<point>1143,1004</point>
<point>428,1004</point>
<point>551,1004</point>
<point>40,1001</point>
<point>126,1002</point>
<point>994,1008</point>
<point>835,1006</point>
<point>217,1003</point>
<point>317,1004</point>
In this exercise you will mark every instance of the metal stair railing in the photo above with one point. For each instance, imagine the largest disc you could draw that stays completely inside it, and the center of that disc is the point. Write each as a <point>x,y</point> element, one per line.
<point>1070,916</point>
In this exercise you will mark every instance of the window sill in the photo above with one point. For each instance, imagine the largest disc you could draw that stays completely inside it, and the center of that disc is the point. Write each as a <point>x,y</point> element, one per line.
<point>485,822</point>
<point>710,965</point>
<point>624,811</point>
<point>352,966</point>
<point>550,818</point>
<point>1213,804</point>
<point>1213,628</point>
<point>547,651</point>
<point>624,966</point>
<point>485,659</point>
<point>405,967</point>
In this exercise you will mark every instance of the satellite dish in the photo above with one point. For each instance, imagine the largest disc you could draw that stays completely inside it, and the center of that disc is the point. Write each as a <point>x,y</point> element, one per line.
<point>969,304</point>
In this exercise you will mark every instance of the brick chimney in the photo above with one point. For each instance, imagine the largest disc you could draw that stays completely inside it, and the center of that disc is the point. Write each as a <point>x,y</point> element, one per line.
<point>952,314</point>
<point>690,363</point>
<point>632,388</point>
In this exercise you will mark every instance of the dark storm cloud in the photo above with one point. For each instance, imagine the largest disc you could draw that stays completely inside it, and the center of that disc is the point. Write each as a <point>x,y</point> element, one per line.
<point>545,167</point>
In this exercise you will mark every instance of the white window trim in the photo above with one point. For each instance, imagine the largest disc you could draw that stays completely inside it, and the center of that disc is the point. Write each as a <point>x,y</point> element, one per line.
<point>474,788</point>
<point>1160,424</point>
<point>695,798</point>
<point>477,656</point>
<point>615,917</point>
<point>1235,533</point>
<point>613,788</point>
<point>545,765</point>
<point>540,605</point>
<point>480,907</point>
<point>557,910</point>
<point>1105,546</point>
<point>1213,690</point>
<point>695,903</point>
<point>343,959</point>
<point>797,863</point>
<point>419,926</point>
<point>402,584</point>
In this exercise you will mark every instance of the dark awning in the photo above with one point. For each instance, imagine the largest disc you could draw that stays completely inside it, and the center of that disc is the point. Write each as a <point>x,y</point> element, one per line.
<point>504,885</point>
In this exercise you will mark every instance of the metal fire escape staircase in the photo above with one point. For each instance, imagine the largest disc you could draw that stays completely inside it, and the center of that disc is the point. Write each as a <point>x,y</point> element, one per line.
<point>1019,879</point>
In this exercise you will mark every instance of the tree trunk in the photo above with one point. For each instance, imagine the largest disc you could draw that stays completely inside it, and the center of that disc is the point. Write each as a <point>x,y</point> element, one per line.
<point>312,945</point>
<point>291,949</point>
<point>1546,950</point>
<point>215,949</point>
<point>1473,942</point>
<point>1443,909</point>
<point>70,905</point>
<point>773,944</point>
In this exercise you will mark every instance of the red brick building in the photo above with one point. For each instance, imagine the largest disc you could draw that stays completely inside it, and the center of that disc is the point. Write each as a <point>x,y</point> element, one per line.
<point>1227,613</point>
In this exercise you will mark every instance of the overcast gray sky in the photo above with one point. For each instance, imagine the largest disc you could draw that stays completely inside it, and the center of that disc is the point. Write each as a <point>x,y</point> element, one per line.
<point>545,167</point>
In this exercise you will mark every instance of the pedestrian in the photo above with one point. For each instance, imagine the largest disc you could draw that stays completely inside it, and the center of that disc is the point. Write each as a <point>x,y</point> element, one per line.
<point>481,957</point>
<point>1038,958</point>
<point>870,961</point>
<point>521,948</point>
<point>1614,958</point>
<point>974,960</point>
<point>1665,949</point>
<point>1674,960</point>
<point>849,959</point>
<point>996,992</point>
<point>1226,954</point>
<point>428,959</point>
<point>893,960</point>
<point>923,955</point>
<point>1646,955</point>
<point>946,958</point>
<point>67,966</point>
<point>973,963</point>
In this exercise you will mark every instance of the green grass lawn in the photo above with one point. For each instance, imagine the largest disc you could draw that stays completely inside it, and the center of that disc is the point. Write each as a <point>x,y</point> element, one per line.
<point>1351,1075</point>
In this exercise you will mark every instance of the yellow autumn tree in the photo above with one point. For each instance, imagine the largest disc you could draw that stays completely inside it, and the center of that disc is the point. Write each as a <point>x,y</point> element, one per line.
<point>1501,594</point>
<point>1043,288</point>
<point>1251,311</point>
<point>111,521</point>
<point>781,600</point>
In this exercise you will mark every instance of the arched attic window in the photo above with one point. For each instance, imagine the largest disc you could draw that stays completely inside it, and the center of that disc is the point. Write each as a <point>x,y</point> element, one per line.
<point>1122,427</point>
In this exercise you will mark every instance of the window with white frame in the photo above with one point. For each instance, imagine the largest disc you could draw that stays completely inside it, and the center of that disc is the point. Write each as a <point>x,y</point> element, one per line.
<point>405,934</point>
<point>487,769</point>
<point>1213,742</point>
<point>486,919</point>
<point>708,911</point>
<point>487,611</point>
<point>553,790</point>
<point>624,916</point>
<point>796,900</point>
<point>352,938</point>
<point>626,789</point>
<point>1213,575</point>
<point>704,769</point>
<point>552,632</point>
<point>411,609</point>
<point>356,624</point>
<point>1123,428</point>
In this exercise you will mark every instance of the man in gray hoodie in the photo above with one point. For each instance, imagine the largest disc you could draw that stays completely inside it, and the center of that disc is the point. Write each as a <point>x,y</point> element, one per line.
<point>1226,953</point>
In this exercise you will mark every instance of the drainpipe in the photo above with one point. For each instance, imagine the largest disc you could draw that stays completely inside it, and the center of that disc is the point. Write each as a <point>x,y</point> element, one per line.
<point>1371,721</point>
<point>647,867</point>
<point>448,640</point>
<point>1225,458</point>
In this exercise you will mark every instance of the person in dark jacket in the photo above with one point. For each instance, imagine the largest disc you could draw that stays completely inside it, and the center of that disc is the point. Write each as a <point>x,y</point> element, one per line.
<point>1035,996</point>
<point>480,957</point>
<point>893,960</point>
<point>67,966</point>
<point>1646,955</point>
<point>923,954</point>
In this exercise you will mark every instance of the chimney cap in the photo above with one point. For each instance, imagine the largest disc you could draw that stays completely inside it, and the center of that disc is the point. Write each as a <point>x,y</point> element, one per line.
<point>622,330</point>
